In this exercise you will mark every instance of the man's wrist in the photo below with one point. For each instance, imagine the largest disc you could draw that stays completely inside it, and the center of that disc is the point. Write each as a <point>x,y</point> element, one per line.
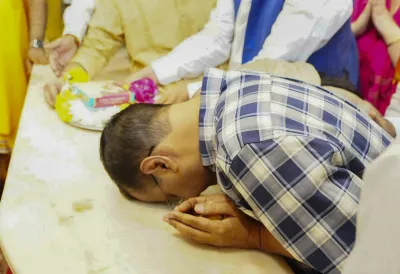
<point>36,44</point>
<point>76,39</point>
<point>358,27</point>
<point>254,240</point>
<point>77,34</point>
<point>269,244</point>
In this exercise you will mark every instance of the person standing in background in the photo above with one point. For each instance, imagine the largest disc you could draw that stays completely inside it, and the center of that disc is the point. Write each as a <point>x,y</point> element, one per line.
<point>242,31</point>
<point>148,29</point>
<point>37,25</point>
<point>76,20</point>
<point>376,23</point>
<point>13,74</point>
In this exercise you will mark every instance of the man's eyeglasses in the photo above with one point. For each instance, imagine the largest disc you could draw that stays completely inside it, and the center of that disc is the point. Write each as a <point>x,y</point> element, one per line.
<point>170,204</point>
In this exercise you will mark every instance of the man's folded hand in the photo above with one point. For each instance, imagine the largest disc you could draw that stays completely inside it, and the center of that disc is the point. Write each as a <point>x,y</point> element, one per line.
<point>231,228</point>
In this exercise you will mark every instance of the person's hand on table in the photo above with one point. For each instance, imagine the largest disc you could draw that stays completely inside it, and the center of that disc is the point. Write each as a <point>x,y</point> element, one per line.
<point>173,95</point>
<point>37,56</point>
<point>51,90</point>
<point>231,228</point>
<point>360,25</point>
<point>61,52</point>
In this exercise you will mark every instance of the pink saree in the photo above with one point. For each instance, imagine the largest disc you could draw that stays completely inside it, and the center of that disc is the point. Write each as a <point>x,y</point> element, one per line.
<point>376,69</point>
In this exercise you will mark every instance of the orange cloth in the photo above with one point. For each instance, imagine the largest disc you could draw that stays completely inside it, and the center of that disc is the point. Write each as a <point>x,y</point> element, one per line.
<point>397,72</point>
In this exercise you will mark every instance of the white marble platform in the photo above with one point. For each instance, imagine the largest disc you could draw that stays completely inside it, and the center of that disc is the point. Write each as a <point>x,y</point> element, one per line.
<point>60,213</point>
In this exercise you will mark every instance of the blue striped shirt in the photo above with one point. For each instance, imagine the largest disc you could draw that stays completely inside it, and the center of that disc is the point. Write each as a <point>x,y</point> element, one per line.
<point>293,154</point>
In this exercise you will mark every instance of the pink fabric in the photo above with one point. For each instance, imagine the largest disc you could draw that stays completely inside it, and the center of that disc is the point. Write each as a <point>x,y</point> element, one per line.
<point>376,69</point>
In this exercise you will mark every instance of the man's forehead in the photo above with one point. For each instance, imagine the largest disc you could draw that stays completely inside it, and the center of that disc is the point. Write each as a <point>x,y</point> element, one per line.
<point>147,194</point>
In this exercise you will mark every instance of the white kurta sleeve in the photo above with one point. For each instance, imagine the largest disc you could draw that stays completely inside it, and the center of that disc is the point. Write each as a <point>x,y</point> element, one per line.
<point>208,48</point>
<point>303,27</point>
<point>77,17</point>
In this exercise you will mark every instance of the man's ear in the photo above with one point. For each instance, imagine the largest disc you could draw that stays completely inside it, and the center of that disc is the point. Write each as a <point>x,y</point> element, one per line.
<point>155,165</point>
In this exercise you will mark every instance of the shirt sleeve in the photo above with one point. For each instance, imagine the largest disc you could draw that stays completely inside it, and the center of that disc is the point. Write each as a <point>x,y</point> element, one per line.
<point>104,37</point>
<point>300,190</point>
<point>303,27</point>
<point>208,48</point>
<point>77,17</point>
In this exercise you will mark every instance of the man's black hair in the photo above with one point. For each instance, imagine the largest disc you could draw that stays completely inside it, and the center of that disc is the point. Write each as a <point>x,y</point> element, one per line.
<point>342,82</point>
<point>126,141</point>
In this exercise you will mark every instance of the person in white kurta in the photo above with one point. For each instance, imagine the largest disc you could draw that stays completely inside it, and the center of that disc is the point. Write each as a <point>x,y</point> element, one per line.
<point>302,28</point>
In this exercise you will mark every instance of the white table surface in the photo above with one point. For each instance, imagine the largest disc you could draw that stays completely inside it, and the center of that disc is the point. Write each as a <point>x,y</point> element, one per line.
<point>54,167</point>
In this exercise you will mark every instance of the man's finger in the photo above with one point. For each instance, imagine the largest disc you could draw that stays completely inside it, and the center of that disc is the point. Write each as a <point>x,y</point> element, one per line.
<point>199,223</point>
<point>53,44</point>
<point>33,60</point>
<point>63,62</point>
<point>189,204</point>
<point>53,98</point>
<point>48,99</point>
<point>58,69</point>
<point>53,62</point>
<point>43,60</point>
<point>28,66</point>
<point>50,93</point>
<point>190,232</point>
<point>215,208</point>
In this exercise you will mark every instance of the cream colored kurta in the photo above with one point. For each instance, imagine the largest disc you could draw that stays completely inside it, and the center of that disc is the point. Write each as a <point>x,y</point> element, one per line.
<point>150,29</point>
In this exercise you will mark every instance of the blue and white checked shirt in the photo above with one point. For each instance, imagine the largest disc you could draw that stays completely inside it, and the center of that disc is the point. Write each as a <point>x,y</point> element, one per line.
<point>293,154</point>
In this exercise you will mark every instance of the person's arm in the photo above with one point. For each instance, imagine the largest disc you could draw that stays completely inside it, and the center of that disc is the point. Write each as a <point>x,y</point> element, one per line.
<point>306,202</point>
<point>360,25</point>
<point>77,17</point>
<point>394,52</point>
<point>387,28</point>
<point>225,224</point>
<point>391,34</point>
<point>38,19</point>
<point>208,48</point>
<point>37,24</point>
<point>76,20</point>
<point>303,27</point>
<point>104,37</point>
